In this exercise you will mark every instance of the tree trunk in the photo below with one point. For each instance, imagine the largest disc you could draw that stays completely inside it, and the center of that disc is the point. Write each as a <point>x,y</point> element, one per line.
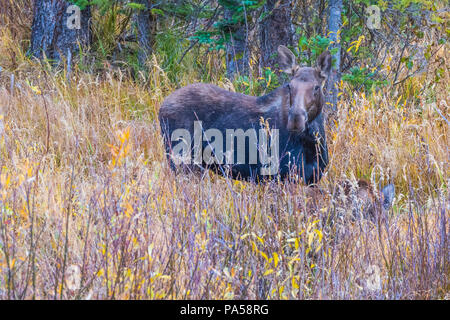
<point>237,54</point>
<point>275,29</point>
<point>58,28</point>
<point>334,23</point>
<point>144,24</point>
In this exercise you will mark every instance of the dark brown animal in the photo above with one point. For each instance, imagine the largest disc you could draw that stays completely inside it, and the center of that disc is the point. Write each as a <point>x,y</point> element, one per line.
<point>294,109</point>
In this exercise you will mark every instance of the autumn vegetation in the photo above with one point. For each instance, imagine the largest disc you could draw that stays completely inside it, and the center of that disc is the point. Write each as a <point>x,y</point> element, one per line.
<point>89,208</point>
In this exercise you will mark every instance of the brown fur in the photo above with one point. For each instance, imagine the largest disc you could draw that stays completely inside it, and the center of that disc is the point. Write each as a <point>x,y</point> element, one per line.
<point>201,101</point>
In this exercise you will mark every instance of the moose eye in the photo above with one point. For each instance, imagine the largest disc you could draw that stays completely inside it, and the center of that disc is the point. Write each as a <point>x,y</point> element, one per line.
<point>316,88</point>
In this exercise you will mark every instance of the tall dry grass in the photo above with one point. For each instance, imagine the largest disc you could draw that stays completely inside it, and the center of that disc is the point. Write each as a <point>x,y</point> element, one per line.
<point>89,208</point>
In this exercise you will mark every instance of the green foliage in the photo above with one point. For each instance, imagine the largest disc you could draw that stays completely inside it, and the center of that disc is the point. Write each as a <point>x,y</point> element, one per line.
<point>402,23</point>
<point>103,5</point>
<point>169,47</point>
<point>136,6</point>
<point>313,47</point>
<point>80,3</point>
<point>258,86</point>
<point>363,78</point>
<point>239,13</point>
<point>115,21</point>
<point>183,9</point>
<point>212,24</point>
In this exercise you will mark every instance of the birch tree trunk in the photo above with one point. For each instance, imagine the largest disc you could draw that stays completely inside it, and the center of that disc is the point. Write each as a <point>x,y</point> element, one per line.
<point>334,23</point>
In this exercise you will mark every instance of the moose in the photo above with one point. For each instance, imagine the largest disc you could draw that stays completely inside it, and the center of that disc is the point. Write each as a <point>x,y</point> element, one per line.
<point>294,111</point>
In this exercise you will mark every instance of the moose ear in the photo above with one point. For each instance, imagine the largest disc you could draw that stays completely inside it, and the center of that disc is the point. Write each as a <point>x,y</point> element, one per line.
<point>324,64</point>
<point>287,60</point>
<point>388,196</point>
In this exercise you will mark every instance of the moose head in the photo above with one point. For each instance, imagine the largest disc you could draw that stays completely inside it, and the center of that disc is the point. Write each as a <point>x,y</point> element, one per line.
<point>306,88</point>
